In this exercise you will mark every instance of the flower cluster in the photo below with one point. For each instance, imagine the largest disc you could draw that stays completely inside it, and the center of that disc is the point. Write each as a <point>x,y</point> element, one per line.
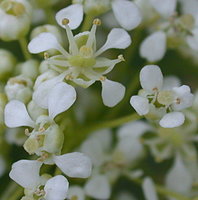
<point>63,143</point>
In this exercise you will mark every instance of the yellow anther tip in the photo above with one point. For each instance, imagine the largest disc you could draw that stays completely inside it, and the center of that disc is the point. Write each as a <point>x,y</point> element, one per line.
<point>46,55</point>
<point>97,22</point>
<point>65,21</point>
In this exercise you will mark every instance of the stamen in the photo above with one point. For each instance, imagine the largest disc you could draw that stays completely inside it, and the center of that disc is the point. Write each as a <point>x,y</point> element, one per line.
<point>91,39</point>
<point>46,55</point>
<point>121,58</point>
<point>27,132</point>
<point>102,78</point>
<point>72,42</point>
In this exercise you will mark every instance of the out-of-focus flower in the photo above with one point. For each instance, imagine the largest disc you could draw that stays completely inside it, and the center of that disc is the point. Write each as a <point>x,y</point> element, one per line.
<point>15,19</point>
<point>7,62</point>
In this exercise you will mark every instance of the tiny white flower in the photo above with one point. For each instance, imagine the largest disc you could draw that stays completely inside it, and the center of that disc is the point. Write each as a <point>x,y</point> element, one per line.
<point>157,102</point>
<point>129,145</point>
<point>82,64</point>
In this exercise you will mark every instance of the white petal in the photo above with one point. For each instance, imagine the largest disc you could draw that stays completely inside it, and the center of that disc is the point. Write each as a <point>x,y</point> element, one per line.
<point>43,42</point>
<point>193,40</point>
<point>41,94</point>
<point>118,38</point>
<point>173,119</point>
<point>16,115</point>
<point>153,48</point>
<point>74,164</point>
<point>185,97</point>
<point>74,13</point>
<point>170,82</point>
<point>26,173</point>
<point>98,187</point>
<point>61,98</point>
<point>140,104</point>
<point>165,7</point>
<point>127,14</point>
<point>151,78</point>
<point>179,178</point>
<point>112,92</point>
<point>149,189</point>
<point>56,188</point>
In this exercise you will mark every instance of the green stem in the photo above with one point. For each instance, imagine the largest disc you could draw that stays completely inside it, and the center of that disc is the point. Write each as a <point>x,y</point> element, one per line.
<point>10,189</point>
<point>17,194</point>
<point>82,133</point>
<point>87,23</point>
<point>114,123</point>
<point>23,44</point>
<point>133,85</point>
<point>50,15</point>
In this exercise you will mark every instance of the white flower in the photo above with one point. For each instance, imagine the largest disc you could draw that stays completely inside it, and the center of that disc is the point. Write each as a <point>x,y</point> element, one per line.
<point>157,103</point>
<point>46,135</point>
<point>62,96</point>
<point>26,174</point>
<point>126,12</point>
<point>15,19</point>
<point>82,64</point>
<point>129,145</point>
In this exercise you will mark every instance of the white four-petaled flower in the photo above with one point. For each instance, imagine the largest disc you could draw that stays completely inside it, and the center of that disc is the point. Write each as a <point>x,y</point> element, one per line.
<point>158,103</point>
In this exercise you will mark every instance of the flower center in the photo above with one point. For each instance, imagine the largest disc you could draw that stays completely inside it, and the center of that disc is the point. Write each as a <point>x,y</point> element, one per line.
<point>165,97</point>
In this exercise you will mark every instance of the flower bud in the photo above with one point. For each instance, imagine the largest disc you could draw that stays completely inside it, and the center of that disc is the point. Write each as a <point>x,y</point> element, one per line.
<point>7,62</point>
<point>15,19</point>
<point>54,139</point>
<point>29,68</point>
<point>19,88</point>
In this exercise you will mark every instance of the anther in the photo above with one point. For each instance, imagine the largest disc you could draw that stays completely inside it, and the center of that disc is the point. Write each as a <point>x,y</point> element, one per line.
<point>102,78</point>
<point>46,55</point>
<point>97,22</point>
<point>65,21</point>
<point>27,132</point>
<point>121,57</point>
